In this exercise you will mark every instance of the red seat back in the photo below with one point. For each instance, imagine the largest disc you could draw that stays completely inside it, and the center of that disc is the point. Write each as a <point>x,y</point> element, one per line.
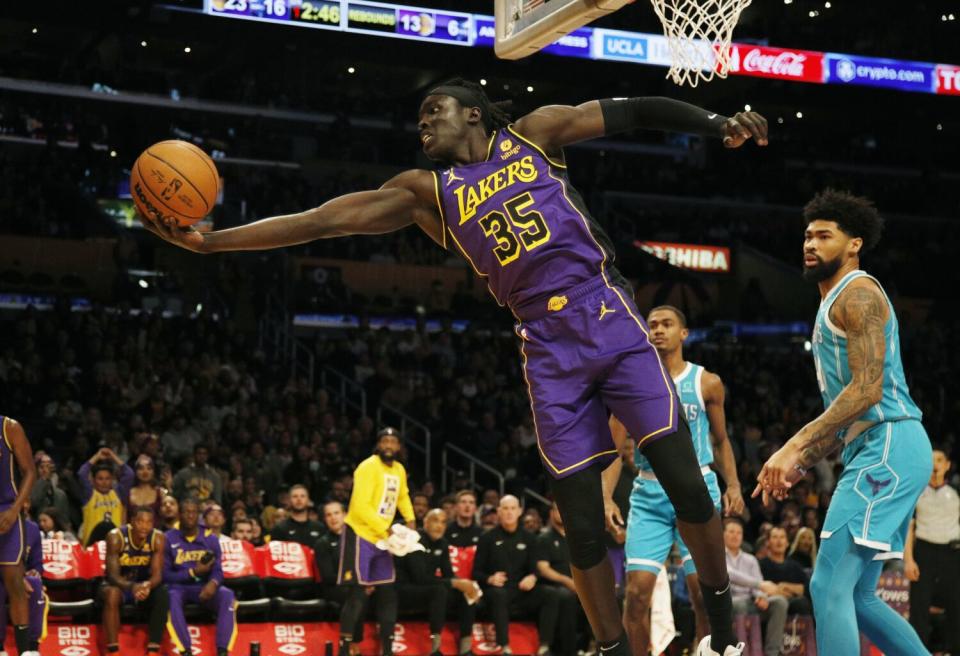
<point>96,560</point>
<point>64,561</point>
<point>287,560</point>
<point>238,558</point>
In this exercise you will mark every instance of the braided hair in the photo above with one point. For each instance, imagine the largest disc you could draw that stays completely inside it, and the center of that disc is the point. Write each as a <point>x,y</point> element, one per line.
<point>494,115</point>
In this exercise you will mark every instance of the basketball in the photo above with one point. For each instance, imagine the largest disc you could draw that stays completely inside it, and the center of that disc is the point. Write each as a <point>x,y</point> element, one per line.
<point>174,179</point>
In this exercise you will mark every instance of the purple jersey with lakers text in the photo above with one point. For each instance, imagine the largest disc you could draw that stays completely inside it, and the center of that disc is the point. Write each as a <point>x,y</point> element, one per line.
<point>518,221</point>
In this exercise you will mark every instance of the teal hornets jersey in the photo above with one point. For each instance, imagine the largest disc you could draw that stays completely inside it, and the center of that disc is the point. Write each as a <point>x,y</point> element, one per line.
<point>833,372</point>
<point>689,386</point>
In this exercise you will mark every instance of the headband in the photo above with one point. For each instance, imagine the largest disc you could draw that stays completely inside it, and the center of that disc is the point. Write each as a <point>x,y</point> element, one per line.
<point>466,97</point>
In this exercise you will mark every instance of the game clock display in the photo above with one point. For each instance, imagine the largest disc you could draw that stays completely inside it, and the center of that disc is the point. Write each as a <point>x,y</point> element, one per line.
<point>345,15</point>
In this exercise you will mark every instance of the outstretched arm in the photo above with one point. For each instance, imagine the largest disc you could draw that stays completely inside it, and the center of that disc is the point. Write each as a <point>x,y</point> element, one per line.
<point>403,200</point>
<point>861,311</point>
<point>555,126</point>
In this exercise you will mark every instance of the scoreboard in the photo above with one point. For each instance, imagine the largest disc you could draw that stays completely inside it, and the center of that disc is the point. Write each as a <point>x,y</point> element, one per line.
<point>378,18</point>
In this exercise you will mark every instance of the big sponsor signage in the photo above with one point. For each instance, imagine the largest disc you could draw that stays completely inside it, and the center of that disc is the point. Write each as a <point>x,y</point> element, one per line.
<point>875,72</point>
<point>776,63</point>
<point>697,257</point>
<point>948,80</point>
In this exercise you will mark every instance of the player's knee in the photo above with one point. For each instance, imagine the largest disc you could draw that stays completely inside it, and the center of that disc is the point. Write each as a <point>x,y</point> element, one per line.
<point>585,536</point>
<point>550,597</point>
<point>639,592</point>
<point>495,595</point>
<point>778,603</point>
<point>440,591</point>
<point>824,594</point>
<point>691,500</point>
<point>112,597</point>
<point>580,500</point>
<point>161,594</point>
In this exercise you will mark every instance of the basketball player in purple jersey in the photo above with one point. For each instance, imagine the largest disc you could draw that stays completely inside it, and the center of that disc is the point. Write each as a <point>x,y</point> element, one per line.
<point>501,196</point>
<point>15,447</point>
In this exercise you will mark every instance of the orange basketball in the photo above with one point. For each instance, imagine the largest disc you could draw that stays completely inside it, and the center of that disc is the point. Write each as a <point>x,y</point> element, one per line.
<point>174,179</point>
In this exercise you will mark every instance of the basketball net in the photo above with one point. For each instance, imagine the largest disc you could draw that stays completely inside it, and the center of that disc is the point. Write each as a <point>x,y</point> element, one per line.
<point>698,33</point>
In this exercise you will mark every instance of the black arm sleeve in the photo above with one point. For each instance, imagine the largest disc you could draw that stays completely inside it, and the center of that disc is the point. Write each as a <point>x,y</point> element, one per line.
<point>657,113</point>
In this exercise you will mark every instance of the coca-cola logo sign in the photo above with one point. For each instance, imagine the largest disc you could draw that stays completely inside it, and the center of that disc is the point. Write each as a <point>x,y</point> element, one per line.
<point>779,63</point>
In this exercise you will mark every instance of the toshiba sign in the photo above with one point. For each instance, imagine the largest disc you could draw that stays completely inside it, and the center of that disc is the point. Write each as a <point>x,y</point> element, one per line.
<point>778,63</point>
<point>715,259</point>
<point>948,80</point>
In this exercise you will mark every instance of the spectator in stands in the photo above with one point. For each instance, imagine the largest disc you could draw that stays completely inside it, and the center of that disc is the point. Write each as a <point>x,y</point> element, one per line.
<point>426,583</point>
<point>750,592</point>
<point>421,506</point>
<point>169,516</point>
<point>327,556</point>
<point>327,548</point>
<point>256,532</point>
<point>811,519</point>
<point>298,527</point>
<point>214,519</point>
<point>553,567</point>
<point>804,549</point>
<point>792,582</point>
<point>489,518</point>
<point>932,555</point>
<point>448,505</point>
<point>242,530</point>
<point>383,480</point>
<point>199,480</point>
<point>193,573</point>
<point>104,497</point>
<point>532,521</point>
<point>270,517</point>
<point>46,492</point>
<point>464,531</point>
<point>51,528</point>
<point>134,576</point>
<point>506,566</point>
<point>146,491</point>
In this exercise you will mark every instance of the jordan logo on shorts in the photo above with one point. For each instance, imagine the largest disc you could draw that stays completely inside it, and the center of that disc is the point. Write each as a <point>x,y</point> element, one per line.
<point>604,310</point>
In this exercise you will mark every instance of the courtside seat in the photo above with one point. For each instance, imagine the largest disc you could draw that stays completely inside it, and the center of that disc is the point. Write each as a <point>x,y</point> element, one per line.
<point>242,574</point>
<point>68,575</point>
<point>290,578</point>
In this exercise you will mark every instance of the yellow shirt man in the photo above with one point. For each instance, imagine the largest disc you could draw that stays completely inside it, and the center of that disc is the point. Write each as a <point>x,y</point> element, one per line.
<point>379,491</point>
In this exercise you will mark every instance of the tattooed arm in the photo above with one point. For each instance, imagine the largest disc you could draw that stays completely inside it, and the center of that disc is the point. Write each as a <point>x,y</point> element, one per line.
<point>861,311</point>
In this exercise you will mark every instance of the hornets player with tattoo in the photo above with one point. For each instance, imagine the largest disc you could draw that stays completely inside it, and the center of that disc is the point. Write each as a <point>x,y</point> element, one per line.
<point>887,456</point>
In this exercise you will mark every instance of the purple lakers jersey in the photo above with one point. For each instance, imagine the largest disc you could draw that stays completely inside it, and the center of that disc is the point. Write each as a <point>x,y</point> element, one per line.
<point>519,223</point>
<point>135,559</point>
<point>8,486</point>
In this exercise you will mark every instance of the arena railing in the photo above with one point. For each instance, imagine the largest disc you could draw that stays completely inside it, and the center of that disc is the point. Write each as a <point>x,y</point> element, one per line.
<point>415,434</point>
<point>346,392</point>
<point>468,463</point>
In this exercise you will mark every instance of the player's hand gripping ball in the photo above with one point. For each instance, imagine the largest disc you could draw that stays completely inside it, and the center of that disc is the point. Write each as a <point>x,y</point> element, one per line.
<point>174,183</point>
